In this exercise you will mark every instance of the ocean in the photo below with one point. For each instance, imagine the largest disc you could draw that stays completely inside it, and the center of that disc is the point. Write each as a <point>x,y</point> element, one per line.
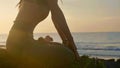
<point>94,44</point>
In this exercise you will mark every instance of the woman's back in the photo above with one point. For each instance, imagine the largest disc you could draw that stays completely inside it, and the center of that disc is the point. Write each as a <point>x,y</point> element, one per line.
<point>32,12</point>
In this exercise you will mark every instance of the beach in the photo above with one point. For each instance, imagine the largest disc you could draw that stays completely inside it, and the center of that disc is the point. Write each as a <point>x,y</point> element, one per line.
<point>101,48</point>
<point>94,44</point>
<point>84,61</point>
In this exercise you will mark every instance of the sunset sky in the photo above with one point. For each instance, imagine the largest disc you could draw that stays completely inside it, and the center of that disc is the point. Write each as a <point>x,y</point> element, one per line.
<point>81,16</point>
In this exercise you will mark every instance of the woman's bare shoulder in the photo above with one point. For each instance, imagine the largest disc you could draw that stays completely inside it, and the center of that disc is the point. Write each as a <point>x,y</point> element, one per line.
<point>52,2</point>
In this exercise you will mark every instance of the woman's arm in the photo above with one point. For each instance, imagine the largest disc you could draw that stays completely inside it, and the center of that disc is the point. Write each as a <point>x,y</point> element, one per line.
<point>58,17</point>
<point>61,25</point>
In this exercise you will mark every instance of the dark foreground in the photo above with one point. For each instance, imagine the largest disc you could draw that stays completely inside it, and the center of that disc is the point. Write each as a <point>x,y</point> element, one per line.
<point>6,61</point>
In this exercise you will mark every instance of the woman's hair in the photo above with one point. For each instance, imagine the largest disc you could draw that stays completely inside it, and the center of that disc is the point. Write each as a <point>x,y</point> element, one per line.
<point>61,1</point>
<point>19,4</point>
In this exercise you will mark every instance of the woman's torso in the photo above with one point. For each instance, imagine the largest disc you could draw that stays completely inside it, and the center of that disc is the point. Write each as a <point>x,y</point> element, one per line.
<point>32,12</point>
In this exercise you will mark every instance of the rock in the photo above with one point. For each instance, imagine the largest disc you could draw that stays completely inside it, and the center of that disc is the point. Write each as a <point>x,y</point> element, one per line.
<point>118,60</point>
<point>6,61</point>
<point>42,55</point>
<point>47,55</point>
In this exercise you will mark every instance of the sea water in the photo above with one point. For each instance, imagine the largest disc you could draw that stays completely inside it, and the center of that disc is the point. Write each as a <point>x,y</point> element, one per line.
<point>94,44</point>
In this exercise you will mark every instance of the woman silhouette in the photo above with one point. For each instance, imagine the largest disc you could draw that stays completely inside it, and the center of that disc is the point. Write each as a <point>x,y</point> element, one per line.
<point>31,12</point>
